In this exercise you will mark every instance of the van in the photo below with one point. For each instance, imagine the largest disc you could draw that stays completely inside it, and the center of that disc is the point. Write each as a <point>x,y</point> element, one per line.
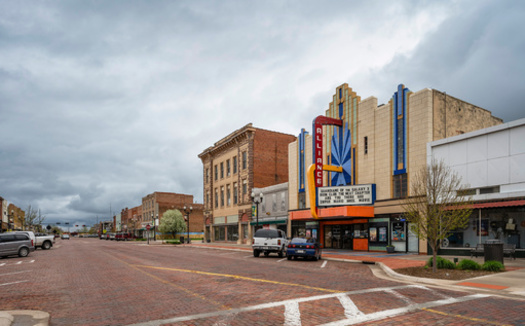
<point>31,235</point>
<point>16,243</point>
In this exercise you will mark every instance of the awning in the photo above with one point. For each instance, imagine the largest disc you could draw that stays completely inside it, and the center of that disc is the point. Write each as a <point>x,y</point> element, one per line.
<point>500,204</point>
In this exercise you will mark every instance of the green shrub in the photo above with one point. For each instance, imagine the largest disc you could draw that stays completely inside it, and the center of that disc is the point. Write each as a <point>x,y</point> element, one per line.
<point>173,241</point>
<point>493,266</point>
<point>469,264</point>
<point>442,263</point>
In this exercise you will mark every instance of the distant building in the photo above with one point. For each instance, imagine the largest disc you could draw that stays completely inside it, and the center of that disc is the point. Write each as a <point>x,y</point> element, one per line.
<point>245,159</point>
<point>272,211</point>
<point>156,204</point>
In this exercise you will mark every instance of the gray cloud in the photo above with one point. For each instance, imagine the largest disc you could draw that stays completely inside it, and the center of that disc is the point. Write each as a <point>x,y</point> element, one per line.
<point>104,102</point>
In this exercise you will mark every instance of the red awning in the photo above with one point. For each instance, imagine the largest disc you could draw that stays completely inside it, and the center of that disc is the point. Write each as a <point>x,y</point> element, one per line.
<point>500,204</point>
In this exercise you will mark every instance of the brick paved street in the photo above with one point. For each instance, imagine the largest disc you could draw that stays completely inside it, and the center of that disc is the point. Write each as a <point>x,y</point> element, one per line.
<point>95,282</point>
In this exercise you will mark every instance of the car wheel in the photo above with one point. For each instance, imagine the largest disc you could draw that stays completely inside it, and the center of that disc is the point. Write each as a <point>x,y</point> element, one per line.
<point>256,253</point>
<point>46,245</point>
<point>23,252</point>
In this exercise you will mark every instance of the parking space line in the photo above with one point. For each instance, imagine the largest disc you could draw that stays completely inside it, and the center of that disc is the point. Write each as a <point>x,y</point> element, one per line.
<point>324,263</point>
<point>14,273</point>
<point>280,260</point>
<point>2,264</point>
<point>20,262</point>
<point>11,283</point>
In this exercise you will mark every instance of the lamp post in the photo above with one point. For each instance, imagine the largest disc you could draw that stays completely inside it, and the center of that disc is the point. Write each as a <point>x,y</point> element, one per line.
<point>188,211</point>
<point>10,220</point>
<point>257,200</point>
<point>154,227</point>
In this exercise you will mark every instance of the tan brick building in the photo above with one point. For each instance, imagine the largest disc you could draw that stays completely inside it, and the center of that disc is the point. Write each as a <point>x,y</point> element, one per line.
<point>378,148</point>
<point>245,159</point>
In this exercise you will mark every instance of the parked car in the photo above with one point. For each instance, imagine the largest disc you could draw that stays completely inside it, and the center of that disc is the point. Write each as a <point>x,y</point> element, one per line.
<point>301,247</point>
<point>64,236</point>
<point>13,243</point>
<point>103,237</point>
<point>31,235</point>
<point>111,236</point>
<point>268,241</point>
<point>44,241</point>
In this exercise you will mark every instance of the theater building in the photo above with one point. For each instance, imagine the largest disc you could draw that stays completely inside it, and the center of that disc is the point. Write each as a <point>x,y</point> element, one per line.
<point>347,178</point>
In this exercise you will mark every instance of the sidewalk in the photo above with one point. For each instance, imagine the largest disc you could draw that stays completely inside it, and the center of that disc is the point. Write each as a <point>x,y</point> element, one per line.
<point>509,283</point>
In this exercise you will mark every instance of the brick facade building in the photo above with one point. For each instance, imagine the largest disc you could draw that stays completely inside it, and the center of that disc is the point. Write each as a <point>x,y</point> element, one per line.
<point>156,204</point>
<point>377,146</point>
<point>245,159</point>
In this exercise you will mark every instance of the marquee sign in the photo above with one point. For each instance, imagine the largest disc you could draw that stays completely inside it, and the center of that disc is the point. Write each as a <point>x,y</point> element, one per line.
<point>347,195</point>
<point>318,124</point>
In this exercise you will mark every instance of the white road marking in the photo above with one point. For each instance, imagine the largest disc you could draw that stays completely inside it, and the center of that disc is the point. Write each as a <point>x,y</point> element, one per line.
<point>2,264</point>
<point>400,296</point>
<point>351,309</point>
<point>401,311</point>
<point>13,273</point>
<point>228,254</point>
<point>250,256</point>
<point>32,261</point>
<point>324,263</point>
<point>444,296</point>
<point>356,317</point>
<point>226,320</point>
<point>13,283</point>
<point>292,314</point>
<point>20,262</point>
<point>280,260</point>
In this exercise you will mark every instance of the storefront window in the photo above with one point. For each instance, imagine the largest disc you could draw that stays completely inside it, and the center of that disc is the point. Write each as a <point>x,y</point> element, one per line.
<point>219,233</point>
<point>233,232</point>
<point>506,224</point>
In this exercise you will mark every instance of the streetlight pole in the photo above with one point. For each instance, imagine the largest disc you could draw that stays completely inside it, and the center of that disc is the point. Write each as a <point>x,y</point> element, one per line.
<point>188,211</point>
<point>154,227</point>
<point>10,221</point>
<point>257,201</point>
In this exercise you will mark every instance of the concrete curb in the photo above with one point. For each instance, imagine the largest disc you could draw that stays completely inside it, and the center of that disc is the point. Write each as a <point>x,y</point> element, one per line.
<point>391,273</point>
<point>6,319</point>
<point>25,317</point>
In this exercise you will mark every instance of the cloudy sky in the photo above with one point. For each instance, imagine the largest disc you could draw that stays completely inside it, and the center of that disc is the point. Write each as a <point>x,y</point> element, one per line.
<point>104,102</point>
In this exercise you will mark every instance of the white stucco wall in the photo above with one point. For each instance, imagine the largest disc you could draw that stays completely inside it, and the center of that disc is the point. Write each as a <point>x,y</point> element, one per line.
<point>489,157</point>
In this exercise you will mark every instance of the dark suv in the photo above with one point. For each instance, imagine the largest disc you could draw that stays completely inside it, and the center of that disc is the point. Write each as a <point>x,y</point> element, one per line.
<point>15,244</point>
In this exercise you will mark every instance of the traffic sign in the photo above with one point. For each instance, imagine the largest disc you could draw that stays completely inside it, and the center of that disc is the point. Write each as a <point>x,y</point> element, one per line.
<point>148,227</point>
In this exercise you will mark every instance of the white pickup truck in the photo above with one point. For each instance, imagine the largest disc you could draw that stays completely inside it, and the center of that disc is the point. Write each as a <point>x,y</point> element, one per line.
<point>44,241</point>
<point>269,240</point>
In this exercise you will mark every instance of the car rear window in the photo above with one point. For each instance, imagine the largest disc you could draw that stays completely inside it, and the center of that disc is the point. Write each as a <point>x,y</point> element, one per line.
<point>299,240</point>
<point>267,233</point>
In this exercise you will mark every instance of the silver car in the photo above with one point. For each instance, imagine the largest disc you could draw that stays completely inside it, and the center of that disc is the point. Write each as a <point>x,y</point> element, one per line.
<point>15,244</point>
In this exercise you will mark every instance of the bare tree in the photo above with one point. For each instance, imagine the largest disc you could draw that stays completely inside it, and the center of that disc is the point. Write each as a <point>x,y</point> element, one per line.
<point>33,219</point>
<point>436,206</point>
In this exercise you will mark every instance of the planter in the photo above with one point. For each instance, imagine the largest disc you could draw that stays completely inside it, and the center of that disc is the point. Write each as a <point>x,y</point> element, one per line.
<point>390,250</point>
